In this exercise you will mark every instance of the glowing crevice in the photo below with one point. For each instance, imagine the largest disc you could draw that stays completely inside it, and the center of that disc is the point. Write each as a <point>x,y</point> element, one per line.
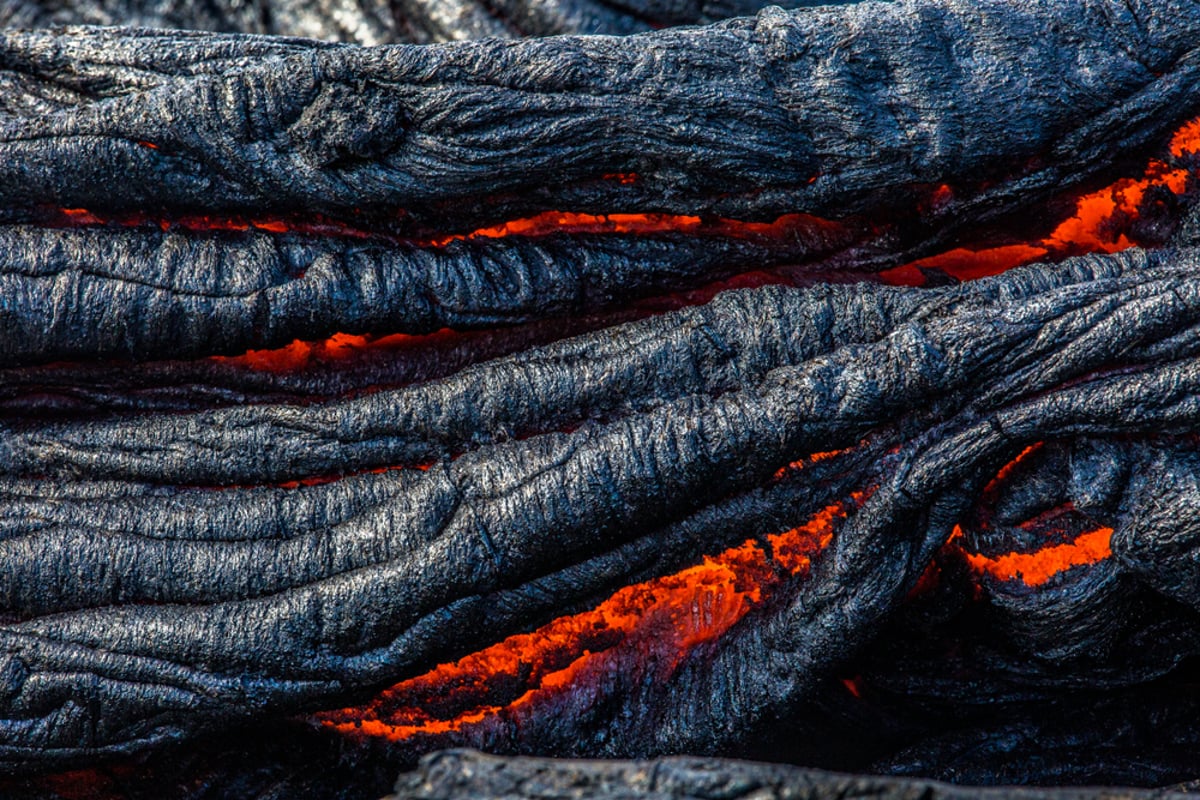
<point>1039,567</point>
<point>1103,222</point>
<point>662,620</point>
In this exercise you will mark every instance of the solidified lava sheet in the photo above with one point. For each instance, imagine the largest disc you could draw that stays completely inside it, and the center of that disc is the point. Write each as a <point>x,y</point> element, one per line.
<point>666,382</point>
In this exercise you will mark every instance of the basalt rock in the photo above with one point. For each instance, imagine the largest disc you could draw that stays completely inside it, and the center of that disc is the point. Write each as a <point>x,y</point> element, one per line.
<point>374,22</point>
<point>571,498</point>
<point>313,188</point>
<point>467,774</point>
<point>157,585</point>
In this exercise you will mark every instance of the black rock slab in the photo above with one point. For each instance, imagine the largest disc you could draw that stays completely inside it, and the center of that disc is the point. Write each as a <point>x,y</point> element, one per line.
<point>456,775</point>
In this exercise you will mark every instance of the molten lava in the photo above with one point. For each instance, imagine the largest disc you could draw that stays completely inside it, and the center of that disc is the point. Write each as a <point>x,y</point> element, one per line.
<point>1037,568</point>
<point>1103,222</point>
<point>339,347</point>
<point>661,620</point>
<point>1186,141</point>
<point>1065,546</point>
<point>812,458</point>
<point>551,222</point>
<point>542,224</point>
<point>1006,472</point>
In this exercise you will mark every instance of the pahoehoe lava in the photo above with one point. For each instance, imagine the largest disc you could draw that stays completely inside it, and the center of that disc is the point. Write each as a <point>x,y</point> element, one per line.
<point>637,454</point>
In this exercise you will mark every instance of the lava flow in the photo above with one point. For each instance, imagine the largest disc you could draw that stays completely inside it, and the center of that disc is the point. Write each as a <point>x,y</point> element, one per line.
<point>544,223</point>
<point>659,621</point>
<point>1071,538</point>
<point>339,347</point>
<point>1038,567</point>
<point>1103,222</point>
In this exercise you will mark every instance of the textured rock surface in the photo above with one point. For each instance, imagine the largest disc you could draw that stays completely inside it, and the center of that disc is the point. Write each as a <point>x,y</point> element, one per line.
<point>376,22</point>
<point>734,119</point>
<point>196,552</point>
<point>564,470</point>
<point>453,775</point>
<point>332,171</point>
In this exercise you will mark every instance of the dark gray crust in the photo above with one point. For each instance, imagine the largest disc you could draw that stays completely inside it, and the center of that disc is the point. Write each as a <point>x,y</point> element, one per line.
<point>372,22</point>
<point>362,21</point>
<point>160,583</point>
<point>461,774</point>
<point>148,294</point>
<point>139,609</point>
<point>734,119</point>
<point>855,112</point>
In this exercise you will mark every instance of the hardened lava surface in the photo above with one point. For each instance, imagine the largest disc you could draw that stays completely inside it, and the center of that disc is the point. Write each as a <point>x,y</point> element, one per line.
<point>818,386</point>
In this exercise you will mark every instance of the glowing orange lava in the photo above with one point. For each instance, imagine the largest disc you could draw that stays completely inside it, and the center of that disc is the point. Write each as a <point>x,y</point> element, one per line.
<point>1037,568</point>
<point>661,620</point>
<point>1186,141</point>
<point>550,222</point>
<point>339,347</point>
<point>1056,523</point>
<point>1102,222</point>
<point>811,459</point>
<point>1007,470</point>
<point>965,264</point>
<point>541,224</point>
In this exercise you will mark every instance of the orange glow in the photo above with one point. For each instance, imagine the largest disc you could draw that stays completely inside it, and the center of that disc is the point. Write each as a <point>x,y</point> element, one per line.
<point>555,222</point>
<point>317,225</point>
<point>941,196</point>
<point>1102,222</point>
<point>1186,141</point>
<point>339,347</point>
<point>81,216</point>
<point>965,264</point>
<point>1056,523</point>
<point>930,579</point>
<point>542,224</point>
<point>809,460</point>
<point>299,354</point>
<point>1035,569</point>
<point>294,356</point>
<point>549,222</point>
<point>660,620</point>
<point>318,480</point>
<point>1007,470</point>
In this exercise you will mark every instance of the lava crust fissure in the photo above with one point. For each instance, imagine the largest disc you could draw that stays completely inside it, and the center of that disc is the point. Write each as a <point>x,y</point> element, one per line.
<point>278,598</point>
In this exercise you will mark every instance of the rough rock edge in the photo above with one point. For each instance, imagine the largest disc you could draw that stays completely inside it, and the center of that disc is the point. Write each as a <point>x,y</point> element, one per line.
<point>454,774</point>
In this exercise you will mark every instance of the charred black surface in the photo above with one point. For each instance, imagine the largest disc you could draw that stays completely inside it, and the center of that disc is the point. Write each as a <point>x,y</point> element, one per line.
<point>735,119</point>
<point>374,22</point>
<point>146,294</point>
<point>362,21</point>
<point>88,390</point>
<point>270,759</point>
